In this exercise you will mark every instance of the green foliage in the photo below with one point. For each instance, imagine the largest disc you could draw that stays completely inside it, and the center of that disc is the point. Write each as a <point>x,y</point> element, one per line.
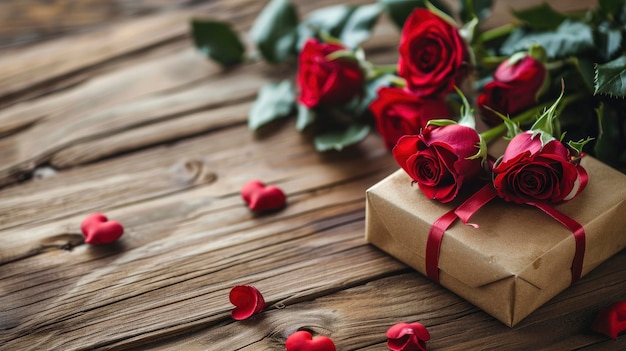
<point>330,20</point>
<point>571,38</point>
<point>217,41</point>
<point>274,101</point>
<point>359,25</point>
<point>610,78</point>
<point>541,17</point>
<point>609,40</point>
<point>611,7</point>
<point>371,92</point>
<point>306,117</point>
<point>610,146</point>
<point>338,139</point>
<point>545,126</point>
<point>399,10</point>
<point>275,31</point>
<point>469,9</point>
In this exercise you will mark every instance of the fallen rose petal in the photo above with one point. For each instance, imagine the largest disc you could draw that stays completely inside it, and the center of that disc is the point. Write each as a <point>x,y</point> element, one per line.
<point>304,341</point>
<point>98,230</point>
<point>611,321</point>
<point>248,301</point>
<point>260,197</point>
<point>407,337</point>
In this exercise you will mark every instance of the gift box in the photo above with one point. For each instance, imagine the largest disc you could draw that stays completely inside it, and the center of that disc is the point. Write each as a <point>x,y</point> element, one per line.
<point>518,258</point>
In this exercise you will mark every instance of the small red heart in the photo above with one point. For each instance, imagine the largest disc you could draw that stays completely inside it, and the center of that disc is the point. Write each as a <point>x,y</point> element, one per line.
<point>611,321</point>
<point>304,341</point>
<point>407,337</point>
<point>262,198</point>
<point>248,301</point>
<point>98,230</point>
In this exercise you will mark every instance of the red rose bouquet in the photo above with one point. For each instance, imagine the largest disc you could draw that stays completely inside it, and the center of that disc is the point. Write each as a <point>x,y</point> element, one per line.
<point>514,70</point>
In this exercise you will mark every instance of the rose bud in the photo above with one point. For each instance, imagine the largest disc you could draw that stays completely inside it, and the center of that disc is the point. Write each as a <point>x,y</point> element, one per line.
<point>440,159</point>
<point>324,81</point>
<point>398,112</point>
<point>407,337</point>
<point>517,81</point>
<point>432,54</point>
<point>530,171</point>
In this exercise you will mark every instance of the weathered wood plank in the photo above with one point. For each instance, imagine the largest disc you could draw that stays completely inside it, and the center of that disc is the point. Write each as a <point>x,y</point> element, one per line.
<point>28,21</point>
<point>357,318</point>
<point>39,70</point>
<point>161,89</point>
<point>280,255</point>
<point>233,156</point>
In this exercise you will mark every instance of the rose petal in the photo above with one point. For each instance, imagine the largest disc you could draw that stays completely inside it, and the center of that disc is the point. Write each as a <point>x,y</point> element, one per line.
<point>611,321</point>
<point>98,230</point>
<point>407,337</point>
<point>248,301</point>
<point>304,341</point>
<point>259,197</point>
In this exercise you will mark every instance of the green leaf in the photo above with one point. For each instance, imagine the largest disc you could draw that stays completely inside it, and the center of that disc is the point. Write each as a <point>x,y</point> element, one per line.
<point>611,6</point>
<point>469,9</point>
<point>466,117</point>
<point>218,41</point>
<point>570,39</point>
<point>399,10</point>
<point>339,139</point>
<point>578,145</point>
<point>306,117</point>
<point>327,19</point>
<point>609,41</point>
<point>544,126</point>
<point>371,92</point>
<point>440,13</point>
<point>609,141</point>
<point>469,30</point>
<point>273,102</point>
<point>440,122</point>
<point>611,78</point>
<point>541,17</point>
<point>360,24</point>
<point>275,31</point>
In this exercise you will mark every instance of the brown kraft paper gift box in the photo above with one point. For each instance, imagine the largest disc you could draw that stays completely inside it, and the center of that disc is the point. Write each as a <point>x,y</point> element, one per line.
<point>518,258</point>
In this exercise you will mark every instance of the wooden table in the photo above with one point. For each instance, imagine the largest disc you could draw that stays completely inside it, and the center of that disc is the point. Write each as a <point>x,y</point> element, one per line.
<point>119,114</point>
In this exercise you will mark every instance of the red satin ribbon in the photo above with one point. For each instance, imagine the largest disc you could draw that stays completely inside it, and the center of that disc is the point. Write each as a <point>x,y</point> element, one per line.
<point>433,244</point>
<point>475,202</point>
<point>576,229</point>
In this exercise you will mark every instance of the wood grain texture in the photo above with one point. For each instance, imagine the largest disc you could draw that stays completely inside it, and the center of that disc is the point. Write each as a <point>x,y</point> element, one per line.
<point>123,116</point>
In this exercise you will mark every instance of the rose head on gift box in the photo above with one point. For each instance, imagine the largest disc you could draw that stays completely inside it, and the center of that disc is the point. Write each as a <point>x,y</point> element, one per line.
<point>518,258</point>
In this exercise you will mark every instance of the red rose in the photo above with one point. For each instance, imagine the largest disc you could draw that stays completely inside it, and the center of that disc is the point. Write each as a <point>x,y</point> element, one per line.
<point>529,172</point>
<point>438,159</point>
<point>514,88</point>
<point>327,82</point>
<point>432,54</point>
<point>398,112</point>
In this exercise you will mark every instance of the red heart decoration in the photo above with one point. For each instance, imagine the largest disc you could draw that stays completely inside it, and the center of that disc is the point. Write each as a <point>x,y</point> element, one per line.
<point>262,198</point>
<point>304,341</point>
<point>611,321</point>
<point>98,230</point>
<point>407,337</point>
<point>248,301</point>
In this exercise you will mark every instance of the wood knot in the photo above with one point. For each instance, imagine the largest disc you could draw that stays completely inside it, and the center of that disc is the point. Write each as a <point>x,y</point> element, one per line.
<point>194,171</point>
